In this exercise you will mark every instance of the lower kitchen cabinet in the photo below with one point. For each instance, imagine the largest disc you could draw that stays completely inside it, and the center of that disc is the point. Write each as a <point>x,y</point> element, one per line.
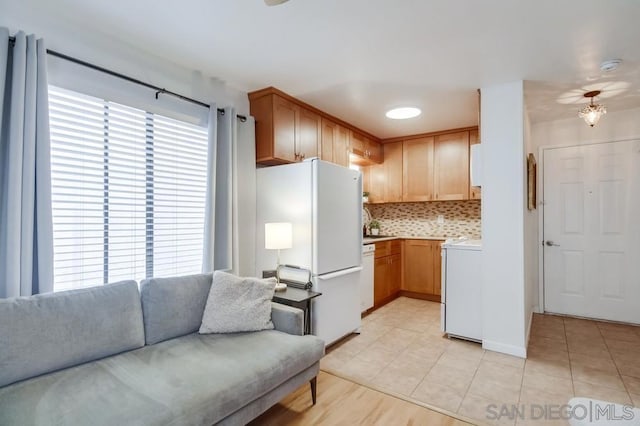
<point>422,269</point>
<point>387,272</point>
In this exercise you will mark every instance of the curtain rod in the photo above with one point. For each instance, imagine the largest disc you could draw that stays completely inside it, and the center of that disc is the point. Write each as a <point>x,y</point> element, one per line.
<point>159,90</point>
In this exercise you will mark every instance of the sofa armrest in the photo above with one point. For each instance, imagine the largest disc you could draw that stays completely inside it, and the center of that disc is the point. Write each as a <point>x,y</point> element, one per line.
<point>287,319</point>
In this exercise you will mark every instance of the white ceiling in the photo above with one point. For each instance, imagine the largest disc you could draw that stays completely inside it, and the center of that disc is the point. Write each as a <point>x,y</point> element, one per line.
<point>357,58</point>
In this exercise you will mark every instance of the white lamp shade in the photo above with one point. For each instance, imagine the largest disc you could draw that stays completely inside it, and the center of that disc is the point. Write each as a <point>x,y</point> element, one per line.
<point>278,235</point>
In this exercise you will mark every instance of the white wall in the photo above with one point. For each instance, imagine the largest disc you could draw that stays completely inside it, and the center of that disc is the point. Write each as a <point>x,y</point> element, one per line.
<point>619,125</point>
<point>503,205</point>
<point>531,243</point>
<point>613,126</point>
<point>114,54</point>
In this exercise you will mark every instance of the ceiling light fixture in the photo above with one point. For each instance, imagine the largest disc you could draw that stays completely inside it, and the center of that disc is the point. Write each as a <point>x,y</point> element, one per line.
<point>591,113</point>
<point>403,113</point>
<point>274,2</point>
<point>610,65</point>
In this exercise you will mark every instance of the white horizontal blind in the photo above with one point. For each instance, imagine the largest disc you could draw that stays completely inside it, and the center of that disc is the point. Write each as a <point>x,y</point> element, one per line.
<point>128,190</point>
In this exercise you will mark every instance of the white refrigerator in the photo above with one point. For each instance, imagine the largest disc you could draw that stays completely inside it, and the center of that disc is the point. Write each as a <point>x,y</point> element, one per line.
<point>323,201</point>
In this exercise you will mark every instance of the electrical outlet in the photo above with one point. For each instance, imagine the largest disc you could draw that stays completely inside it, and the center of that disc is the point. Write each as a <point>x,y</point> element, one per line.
<point>440,219</point>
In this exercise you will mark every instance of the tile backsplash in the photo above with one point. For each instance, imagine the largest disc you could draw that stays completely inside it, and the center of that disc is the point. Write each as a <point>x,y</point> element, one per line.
<point>421,219</point>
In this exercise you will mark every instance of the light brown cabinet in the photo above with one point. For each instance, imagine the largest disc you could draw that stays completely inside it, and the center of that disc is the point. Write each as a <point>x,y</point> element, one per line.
<point>334,143</point>
<point>422,269</point>
<point>285,131</point>
<point>341,147</point>
<point>430,168</point>
<point>387,271</point>
<point>393,172</point>
<point>365,150</point>
<point>475,192</point>
<point>383,181</point>
<point>451,167</point>
<point>417,169</point>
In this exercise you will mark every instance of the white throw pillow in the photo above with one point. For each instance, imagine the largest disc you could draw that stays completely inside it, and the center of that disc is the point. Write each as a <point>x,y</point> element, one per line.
<point>237,304</point>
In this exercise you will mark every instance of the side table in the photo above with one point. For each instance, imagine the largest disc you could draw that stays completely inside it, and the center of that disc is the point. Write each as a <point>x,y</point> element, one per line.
<point>300,299</point>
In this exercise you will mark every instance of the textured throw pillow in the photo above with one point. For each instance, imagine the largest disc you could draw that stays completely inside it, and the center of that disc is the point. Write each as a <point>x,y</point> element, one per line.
<point>237,304</point>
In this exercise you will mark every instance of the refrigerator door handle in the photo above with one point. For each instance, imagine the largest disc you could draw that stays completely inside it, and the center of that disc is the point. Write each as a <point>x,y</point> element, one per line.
<point>337,274</point>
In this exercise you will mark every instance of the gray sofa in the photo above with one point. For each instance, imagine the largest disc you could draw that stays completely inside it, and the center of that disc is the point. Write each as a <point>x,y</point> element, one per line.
<point>113,355</point>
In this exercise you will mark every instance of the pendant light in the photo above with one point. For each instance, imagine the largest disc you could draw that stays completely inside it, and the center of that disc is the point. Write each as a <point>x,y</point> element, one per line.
<point>592,113</point>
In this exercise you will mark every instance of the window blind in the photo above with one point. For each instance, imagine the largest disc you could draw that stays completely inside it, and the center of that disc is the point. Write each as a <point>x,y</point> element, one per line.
<point>128,192</point>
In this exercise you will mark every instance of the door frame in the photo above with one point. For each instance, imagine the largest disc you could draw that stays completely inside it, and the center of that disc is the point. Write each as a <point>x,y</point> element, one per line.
<point>540,204</point>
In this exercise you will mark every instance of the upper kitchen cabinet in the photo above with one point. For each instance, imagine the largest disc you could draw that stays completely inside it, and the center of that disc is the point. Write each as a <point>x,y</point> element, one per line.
<point>285,131</point>
<point>289,130</point>
<point>475,193</point>
<point>417,169</point>
<point>393,172</point>
<point>365,151</point>
<point>335,143</point>
<point>308,133</point>
<point>383,181</point>
<point>451,167</point>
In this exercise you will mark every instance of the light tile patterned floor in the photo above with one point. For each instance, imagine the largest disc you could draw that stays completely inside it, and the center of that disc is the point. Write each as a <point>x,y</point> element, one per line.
<point>401,349</point>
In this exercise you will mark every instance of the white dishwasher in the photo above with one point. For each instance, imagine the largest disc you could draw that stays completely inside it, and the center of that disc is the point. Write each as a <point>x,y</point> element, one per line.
<point>461,309</point>
<point>366,277</point>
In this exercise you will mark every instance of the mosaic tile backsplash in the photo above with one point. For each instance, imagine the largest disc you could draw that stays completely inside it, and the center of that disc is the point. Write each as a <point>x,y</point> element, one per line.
<point>461,218</point>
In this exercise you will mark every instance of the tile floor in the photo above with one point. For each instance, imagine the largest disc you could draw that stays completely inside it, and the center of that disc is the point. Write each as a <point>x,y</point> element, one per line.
<point>401,350</point>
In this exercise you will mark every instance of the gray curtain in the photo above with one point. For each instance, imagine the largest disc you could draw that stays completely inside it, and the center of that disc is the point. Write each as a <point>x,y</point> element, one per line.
<point>217,244</point>
<point>26,236</point>
<point>229,235</point>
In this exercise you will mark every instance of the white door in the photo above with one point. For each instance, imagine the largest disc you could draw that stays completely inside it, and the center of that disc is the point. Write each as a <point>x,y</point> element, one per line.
<point>337,227</point>
<point>592,231</point>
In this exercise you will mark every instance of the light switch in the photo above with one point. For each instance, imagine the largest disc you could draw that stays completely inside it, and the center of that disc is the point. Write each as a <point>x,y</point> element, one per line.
<point>440,219</point>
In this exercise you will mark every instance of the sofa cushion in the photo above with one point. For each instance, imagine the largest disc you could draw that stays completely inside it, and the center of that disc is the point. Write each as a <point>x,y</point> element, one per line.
<point>238,304</point>
<point>194,379</point>
<point>173,307</point>
<point>47,332</point>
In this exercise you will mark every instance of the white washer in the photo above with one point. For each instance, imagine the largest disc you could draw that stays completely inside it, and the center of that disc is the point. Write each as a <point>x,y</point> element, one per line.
<point>461,310</point>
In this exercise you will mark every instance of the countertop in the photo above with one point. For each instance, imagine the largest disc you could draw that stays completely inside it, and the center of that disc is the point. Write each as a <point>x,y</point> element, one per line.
<point>367,240</point>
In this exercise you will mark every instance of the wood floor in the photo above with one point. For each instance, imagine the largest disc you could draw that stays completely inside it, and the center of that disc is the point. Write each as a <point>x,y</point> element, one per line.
<point>341,402</point>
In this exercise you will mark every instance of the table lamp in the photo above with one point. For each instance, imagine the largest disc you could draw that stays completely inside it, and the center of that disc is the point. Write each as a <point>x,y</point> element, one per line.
<point>278,236</point>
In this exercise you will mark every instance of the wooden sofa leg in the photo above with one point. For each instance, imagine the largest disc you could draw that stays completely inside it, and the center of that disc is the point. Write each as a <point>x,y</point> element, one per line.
<point>313,383</point>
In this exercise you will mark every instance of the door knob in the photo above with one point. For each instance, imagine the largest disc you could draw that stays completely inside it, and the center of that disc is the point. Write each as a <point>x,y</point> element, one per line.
<point>550,243</point>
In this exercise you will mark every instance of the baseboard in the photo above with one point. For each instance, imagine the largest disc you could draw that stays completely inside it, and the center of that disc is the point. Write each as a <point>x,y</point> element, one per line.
<point>526,340</point>
<point>414,295</point>
<point>518,351</point>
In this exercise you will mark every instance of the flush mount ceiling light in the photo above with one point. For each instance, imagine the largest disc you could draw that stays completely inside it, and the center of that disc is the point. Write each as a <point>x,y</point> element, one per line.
<point>403,113</point>
<point>274,2</point>
<point>591,113</point>
<point>610,65</point>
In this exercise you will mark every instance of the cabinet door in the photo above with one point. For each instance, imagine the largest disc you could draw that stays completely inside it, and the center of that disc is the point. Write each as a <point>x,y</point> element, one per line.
<point>284,129</point>
<point>341,147</point>
<point>475,193</point>
<point>418,266</point>
<point>393,172</point>
<point>451,167</point>
<point>357,143</point>
<point>395,273</point>
<point>380,280</point>
<point>329,136</point>
<point>377,183</point>
<point>417,169</point>
<point>437,267</point>
<point>308,138</point>
<point>374,151</point>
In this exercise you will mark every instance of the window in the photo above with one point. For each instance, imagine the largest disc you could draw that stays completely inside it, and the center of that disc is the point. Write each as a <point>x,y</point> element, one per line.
<point>128,192</point>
